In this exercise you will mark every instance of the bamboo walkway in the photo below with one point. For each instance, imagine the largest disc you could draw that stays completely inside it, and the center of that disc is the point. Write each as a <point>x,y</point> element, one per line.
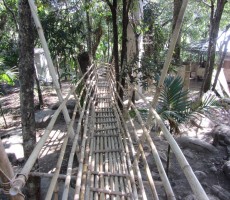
<point>108,151</point>
<point>106,174</point>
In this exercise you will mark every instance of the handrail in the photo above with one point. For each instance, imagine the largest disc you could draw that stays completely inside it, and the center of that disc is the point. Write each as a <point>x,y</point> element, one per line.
<point>22,177</point>
<point>191,177</point>
<point>193,181</point>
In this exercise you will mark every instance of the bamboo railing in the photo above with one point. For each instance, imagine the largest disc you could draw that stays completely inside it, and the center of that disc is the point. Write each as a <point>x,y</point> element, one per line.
<point>22,177</point>
<point>109,152</point>
<point>193,181</point>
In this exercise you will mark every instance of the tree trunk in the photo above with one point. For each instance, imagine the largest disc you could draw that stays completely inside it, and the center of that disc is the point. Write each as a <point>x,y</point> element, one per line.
<point>113,8</point>
<point>89,29</point>
<point>225,46</point>
<point>176,10</point>
<point>168,59</point>
<point>215,18</point>
<point>125,21</point>
<point>41,104</point>
<point>26,72</point>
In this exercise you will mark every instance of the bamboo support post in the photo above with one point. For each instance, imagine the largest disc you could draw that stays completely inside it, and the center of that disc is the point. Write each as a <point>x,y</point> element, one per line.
<point>7,174</point>
<point>167,62</point>
<point>193,181</point>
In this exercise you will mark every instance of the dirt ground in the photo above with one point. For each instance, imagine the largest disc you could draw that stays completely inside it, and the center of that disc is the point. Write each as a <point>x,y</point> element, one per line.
<point>206,165</point>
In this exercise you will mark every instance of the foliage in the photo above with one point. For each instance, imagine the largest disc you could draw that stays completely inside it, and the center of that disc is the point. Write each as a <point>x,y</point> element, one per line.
<point>175,105</point>
<point>8,76</point>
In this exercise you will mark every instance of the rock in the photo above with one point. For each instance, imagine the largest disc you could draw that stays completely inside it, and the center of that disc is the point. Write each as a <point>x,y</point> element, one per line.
<point>188,153</point>
<point>220,192</point>
<point>226,169</point>
<point>190,197</point>
<point>200,175</point>
<point>213,169</point>
<point>43,117</point>
<point>196,144</point>
<point>70,104</point>
<point>221,135</point>
<point>211,197</point>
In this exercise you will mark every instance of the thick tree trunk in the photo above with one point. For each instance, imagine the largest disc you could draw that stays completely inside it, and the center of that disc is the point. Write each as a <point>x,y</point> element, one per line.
<point>222,56</point>
<point>26,74</point>
<point>89,29</point>
<point>113,8</point>
<point>214,24</point>
<point>176,10</point>
<point>125,21</point>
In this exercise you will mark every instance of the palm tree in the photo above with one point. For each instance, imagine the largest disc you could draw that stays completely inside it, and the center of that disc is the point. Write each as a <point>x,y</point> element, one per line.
<point>176,107</point>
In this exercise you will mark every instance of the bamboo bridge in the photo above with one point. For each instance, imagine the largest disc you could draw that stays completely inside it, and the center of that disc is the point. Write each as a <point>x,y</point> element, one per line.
<point>109,152</point>
<point>108,148</point>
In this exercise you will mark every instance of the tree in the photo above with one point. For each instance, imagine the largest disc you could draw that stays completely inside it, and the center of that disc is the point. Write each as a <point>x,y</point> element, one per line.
<point>215,17</point>
<point>26,72</point>
<point>176,9</point>
<point>113,7</point>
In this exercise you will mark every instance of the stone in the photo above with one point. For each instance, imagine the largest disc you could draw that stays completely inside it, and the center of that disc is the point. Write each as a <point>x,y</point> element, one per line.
<point>226,169</point>
<point>70,104</point>
<point>221,135</point>
<point>190,197</point>
<point>220,192</point>
<point>188,153</point>
<point>43,117</point>
<point>211,197</point>
<point>200,175</point>
<point>213,169</point>
<point>196,144</point>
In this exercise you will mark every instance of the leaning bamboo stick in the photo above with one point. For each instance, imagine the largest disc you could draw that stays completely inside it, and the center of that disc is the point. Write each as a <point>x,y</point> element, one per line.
<point>133,154</point>
<point>151,182</point>
<point>6,172</point>
<point>164,178</point>
<point>73,149</point>
<point>82,153</point>
<point>172,45</point>
<point>18,184</point>
<point>53,182</point>
<point>193,181</point>
<point>61,156</point>
<point>47,175</point>
<point>91,145</point>
<point>49,60</point>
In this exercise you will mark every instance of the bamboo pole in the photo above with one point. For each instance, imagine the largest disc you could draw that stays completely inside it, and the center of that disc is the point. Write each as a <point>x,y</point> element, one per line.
<point>7,173</point>
<point>50,62</point>
<point>53,182</point>
<point>82,153</point>
<point>148,172</point>
<point>47,175</point>
<point>193,181</point>
<point>19,181</point>
<point>172,45</point>
<point>164,178</point>
<point>73,150</point>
